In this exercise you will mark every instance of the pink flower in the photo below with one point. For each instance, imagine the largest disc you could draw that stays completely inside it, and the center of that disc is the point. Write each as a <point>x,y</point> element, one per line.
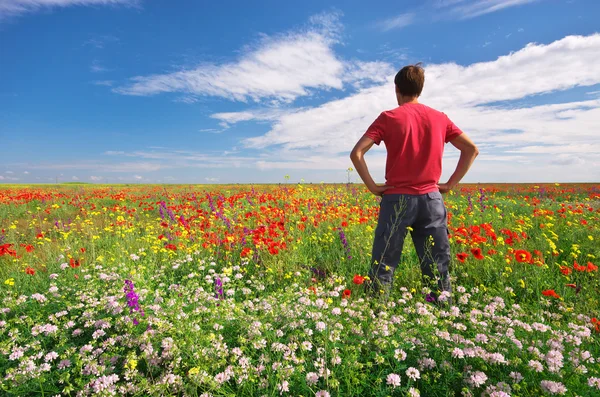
<point>393,380</point>
<point>477,378</point>
<point>594,382</point>
<point>553,387</point>
<point>312,378</point>
<point>413,373</point>
<point>322,393</point>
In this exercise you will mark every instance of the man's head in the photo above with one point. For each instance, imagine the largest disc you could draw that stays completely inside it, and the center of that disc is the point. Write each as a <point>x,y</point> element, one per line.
<point>409,82</point>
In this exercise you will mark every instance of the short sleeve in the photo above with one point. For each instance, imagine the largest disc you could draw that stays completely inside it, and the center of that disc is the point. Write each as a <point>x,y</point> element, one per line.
<point>377,130</point>
<point>452,131</point>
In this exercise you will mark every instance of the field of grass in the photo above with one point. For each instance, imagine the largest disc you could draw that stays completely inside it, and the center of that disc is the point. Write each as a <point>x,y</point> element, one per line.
<point>246,290</point>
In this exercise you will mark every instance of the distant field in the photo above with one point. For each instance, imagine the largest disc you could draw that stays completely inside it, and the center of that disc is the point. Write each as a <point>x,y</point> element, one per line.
<point>250,290</point>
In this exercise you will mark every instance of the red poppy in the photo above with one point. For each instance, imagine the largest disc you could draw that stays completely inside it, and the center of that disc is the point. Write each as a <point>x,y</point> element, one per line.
<point>6,249</point>
<point>344,224</point>
<point>523,256</point>
<point>29,248</point>
<point>574,286</point>
<point>171,247</point>
<point>477,253</point>
<point>245,252</point>
<point>40,235</point>
<point>578,267</point>
<point>596,322</point>
<point>346,294</point>
<point>492,252</point>
<point>313,289</point>
<point>358,279</point>
<point>30,271</point>
<point>74,263</point>
<point>591,267</point>
<point>565,270</point>
<point>160,236</point>
<point>461,256</point>
<point>551,293</point>
<point>82,250</point>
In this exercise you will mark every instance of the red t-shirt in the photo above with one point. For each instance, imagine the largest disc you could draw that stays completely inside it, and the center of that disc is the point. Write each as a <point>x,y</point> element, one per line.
<point>414,136</point>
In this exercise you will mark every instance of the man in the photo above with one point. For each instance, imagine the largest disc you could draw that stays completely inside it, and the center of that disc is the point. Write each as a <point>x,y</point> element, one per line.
<point>414,136</point>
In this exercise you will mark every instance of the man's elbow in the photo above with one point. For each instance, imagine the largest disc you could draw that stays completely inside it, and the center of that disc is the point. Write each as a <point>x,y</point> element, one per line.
<point>475,151</point>
<point>355,155</point>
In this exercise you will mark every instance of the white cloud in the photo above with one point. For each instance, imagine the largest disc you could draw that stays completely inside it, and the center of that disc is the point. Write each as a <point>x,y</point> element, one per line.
<point>278,69</point>
<point>74,178</point>
<point>96,67</point>
<point>105,83</point>
<point>470,96</point>
<point>465,9</point>
<point>95,178</point>
<point>26,172</point>
<point>138,177</point>
<point>1,178</point>
<point>9,172</point>
<point>397,22</point>
<point>9,8</point>
<point>212,179</point>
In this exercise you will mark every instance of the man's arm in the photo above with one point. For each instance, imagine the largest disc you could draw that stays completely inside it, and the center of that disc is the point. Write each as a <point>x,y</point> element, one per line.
<point>358,159</point>
<point>468,152</point>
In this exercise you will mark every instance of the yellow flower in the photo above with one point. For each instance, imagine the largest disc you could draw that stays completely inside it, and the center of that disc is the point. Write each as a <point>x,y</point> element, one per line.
<point>10,281</point>
<point>591,238</point>
<point>131,364</point>
<point>194,371</point>
<point>522,283</point>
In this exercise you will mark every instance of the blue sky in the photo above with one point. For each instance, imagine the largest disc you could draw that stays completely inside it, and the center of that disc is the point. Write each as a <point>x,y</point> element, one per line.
<point>197,92</point>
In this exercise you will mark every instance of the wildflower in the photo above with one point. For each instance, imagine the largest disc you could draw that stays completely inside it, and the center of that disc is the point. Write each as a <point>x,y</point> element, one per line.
<point>312,378</point>
<point>565,270</point>
<point>400,355</point>
<point>523,256</point>
<point>477,253</point>
<point>477,379</point>
<point>64,364</point>
<point>594,382</point>
<point>413,373</point>
<point>346,294</point>
<point>74,263</point>
<point>30,271</point>
<point>393,380</point>
<point>591,267</point>
<point>283,387</point>
<point>412,392</point>
<point>322,393</point>
<point>10,281</point>
<point>551,293</point>
<point>461,256</point>
<point>553,387</point>
<point>358,279</point>
<point>536,365</point>
<point>132,299</point>
<point>219,289</point>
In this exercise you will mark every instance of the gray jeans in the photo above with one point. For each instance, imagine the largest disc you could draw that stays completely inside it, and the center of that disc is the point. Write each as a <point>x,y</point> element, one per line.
<point>427,217</point>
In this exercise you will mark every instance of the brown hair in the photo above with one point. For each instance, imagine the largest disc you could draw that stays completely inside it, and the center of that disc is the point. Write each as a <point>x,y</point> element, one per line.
<point>410,80</point>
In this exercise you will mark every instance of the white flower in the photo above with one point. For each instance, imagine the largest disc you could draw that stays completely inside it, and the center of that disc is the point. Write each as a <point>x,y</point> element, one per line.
<point>413,373</point>
<point>393,380</point>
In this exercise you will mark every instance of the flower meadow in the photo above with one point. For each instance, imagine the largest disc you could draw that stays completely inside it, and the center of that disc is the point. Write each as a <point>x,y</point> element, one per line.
<point>246,290</point>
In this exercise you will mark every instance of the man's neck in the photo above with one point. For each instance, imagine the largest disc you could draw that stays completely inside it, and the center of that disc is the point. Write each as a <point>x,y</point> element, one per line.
<point>408,99</point>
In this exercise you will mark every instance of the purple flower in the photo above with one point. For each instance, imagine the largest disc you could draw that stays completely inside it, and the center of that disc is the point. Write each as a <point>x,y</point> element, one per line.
<point>219,288</point>
<point>345,242</point>
<point>132,300</point>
